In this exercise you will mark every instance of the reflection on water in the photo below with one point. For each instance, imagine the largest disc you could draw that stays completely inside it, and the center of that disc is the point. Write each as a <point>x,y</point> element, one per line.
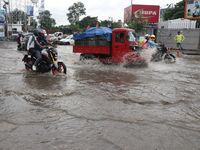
<point>105,76</point>
<point>44,81</point>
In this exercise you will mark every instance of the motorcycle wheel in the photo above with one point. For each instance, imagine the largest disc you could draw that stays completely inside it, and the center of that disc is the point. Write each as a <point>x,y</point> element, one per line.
<point>60,70</point>
<point>29,62</point>
<point>170,58</point>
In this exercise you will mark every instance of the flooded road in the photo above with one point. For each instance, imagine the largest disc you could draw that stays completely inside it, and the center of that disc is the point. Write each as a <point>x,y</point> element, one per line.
<point>99,107</point>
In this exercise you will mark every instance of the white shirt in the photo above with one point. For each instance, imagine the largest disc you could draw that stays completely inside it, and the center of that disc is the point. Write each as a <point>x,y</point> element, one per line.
<point>29,44</point>
<point>22,39</point>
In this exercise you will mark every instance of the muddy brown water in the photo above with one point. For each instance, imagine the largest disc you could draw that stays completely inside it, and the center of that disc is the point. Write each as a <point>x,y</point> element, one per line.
<point>99,107</point>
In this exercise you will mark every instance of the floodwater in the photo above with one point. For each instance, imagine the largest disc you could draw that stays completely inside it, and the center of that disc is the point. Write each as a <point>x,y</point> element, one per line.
<point>99,107</point>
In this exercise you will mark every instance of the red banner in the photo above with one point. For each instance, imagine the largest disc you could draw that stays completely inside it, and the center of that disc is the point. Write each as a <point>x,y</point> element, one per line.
<point>150,12</point>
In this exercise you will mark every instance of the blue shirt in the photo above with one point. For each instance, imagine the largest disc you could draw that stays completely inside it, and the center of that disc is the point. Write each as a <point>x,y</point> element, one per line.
<point>151,44</point>
<point>41,41</point>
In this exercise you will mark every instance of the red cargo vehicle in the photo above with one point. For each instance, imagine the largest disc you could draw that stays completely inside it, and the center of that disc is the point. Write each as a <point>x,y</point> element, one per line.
<point>109,46</point>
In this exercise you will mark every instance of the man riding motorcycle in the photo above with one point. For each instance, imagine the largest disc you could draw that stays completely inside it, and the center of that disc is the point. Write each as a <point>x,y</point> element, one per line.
<point>152,43</point>
<point>39,47</point>
<point>31,43</point>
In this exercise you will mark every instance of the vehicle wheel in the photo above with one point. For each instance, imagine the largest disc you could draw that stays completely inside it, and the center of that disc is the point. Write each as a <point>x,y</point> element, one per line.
<point>60,70</point>
<point>86,56</point>
<point>169,58</point>
<point>29,61</point>
<point>68,43</point>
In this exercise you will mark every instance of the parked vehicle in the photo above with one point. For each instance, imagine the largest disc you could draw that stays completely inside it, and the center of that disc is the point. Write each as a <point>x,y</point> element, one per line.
<point>162,53</point>
<point>14,36</point>
<point>27,35</point>
<point>109,46</point>
<point>67,41</point>
<point>49,62</point>
<point>53,37</point>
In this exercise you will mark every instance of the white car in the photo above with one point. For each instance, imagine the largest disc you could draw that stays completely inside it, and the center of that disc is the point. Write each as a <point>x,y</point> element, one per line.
<point>69,40</point>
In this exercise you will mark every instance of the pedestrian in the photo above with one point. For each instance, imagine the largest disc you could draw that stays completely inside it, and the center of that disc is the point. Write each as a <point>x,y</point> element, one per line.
<point>179,38</point>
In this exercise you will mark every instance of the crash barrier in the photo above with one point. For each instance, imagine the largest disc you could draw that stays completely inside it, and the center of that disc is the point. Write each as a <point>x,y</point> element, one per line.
<point>93,41</point>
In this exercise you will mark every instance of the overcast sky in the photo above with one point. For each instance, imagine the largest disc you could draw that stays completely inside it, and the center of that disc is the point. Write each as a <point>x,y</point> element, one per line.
<point>101,8</point>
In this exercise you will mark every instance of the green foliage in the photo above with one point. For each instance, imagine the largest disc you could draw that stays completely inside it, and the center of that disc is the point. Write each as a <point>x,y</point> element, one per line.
<point>175,13</point>
<point>74,27</point>
<point>18,16</point>
<point>137,23</point>
<point>45,20</point>
<point>88,20</point>
<point>110,24</point>
<point>75,11</point>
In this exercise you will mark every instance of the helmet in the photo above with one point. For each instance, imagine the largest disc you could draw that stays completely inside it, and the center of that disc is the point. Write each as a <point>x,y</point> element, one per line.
<point>153,37</point>
<point>35,32</point>
<point>146,36</point>
<point>41,33</point>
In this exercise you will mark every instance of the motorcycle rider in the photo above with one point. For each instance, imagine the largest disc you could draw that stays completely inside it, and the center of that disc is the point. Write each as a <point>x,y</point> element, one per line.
<point>152,43</point>
<point>22,41</point>
<point>145,37</point>
<point>146,41</point>
<point>18,40</point>
<point>38,48</point>
<point>31,43</point>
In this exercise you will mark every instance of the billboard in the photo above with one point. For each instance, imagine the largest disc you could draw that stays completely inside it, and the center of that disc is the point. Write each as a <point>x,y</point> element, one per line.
<point>2,16</point>
<point>149,12</point>
<point>29,10</point>
<point>192,9</point>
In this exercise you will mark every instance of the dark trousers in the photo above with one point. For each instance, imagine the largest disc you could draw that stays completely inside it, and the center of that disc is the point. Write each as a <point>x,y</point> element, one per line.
<point>38,56</point>
<point>19,44</point>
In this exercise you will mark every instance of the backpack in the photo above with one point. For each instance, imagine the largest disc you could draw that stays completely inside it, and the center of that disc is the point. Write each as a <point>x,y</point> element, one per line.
<point>26,42</point>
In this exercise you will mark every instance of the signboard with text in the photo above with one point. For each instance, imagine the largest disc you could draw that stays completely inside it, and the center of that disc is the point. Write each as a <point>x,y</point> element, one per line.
<point>149,12</point>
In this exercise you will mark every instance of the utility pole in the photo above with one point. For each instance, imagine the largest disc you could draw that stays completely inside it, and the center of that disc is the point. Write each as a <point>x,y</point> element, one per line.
<point>5,7</point>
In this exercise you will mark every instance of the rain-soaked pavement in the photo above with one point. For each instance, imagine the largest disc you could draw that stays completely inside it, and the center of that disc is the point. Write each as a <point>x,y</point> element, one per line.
<point>99,107</point>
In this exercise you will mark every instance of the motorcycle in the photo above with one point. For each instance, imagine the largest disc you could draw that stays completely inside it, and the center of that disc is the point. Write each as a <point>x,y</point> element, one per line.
<point>163,51</point>
<point>22,47</point>
<point>49,62</point>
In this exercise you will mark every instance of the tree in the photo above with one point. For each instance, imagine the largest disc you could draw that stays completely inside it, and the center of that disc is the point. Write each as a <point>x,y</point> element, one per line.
<point>137,24</point>
<point>175,13</point>
<point>110,24</point>
<point>88,20</point>
<point>75,11</point>
<point>18,16</point>
<point>74,27</point>
<point>45,20</point>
